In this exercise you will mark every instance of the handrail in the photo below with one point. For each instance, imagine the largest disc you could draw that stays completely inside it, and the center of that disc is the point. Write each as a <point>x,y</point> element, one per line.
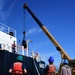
<point>7,29</point>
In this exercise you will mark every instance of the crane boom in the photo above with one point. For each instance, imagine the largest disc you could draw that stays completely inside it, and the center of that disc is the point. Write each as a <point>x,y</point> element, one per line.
<point>49,35</point>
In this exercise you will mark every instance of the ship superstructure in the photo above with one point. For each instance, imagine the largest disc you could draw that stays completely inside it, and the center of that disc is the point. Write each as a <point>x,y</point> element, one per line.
<point>7,36</point>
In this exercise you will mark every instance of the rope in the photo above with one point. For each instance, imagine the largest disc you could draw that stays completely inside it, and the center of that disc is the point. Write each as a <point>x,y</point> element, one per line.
<point>36,66</point>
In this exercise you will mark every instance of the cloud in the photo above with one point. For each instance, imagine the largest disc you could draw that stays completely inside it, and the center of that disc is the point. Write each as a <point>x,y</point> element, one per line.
<point>2,28</point>
<point>39,31</point>
<point>51,53</point>
<point>39,45</point>
<point>1,8</point>
<point>4,14</point>
<point>1,4</point>
<point>33,30</point>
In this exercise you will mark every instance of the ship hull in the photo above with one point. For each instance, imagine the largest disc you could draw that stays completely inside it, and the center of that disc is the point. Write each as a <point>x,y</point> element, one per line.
<point>8,58</point>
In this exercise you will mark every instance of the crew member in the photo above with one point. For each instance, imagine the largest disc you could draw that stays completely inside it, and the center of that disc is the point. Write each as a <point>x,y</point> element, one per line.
<point>37,57</point>
<point>65,69</point>
<point>13,47</point>
<point>51,68</point>
<point>18,68</point>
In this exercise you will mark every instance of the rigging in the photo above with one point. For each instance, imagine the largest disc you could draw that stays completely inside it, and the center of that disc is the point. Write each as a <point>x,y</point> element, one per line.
<point>24,34</point>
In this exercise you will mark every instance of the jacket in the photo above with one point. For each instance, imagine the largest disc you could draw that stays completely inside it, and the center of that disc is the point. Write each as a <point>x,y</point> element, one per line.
<point>65,70</point>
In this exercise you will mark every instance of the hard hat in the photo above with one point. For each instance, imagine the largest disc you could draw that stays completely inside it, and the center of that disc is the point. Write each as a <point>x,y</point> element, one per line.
<point>65,61</point>
<point>20,58</point>
<point>51,59</point>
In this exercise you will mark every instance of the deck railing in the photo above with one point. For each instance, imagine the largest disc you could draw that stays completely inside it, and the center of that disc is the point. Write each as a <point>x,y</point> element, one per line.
<point>7,29</point>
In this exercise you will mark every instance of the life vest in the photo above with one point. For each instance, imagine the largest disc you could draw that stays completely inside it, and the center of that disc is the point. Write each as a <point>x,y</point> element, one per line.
<point>13,45</point>
<point>17,68</point>
<point>52,70</point>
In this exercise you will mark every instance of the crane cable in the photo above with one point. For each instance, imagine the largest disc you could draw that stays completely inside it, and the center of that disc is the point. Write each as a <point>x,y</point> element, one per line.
<point>24,33</point>
<point>24,28</point>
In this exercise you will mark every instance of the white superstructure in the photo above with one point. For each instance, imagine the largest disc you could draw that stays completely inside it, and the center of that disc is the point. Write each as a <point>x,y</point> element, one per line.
<point>7,36</point>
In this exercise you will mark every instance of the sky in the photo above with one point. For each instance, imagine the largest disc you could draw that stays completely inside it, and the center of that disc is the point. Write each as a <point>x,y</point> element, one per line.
<point>58,16</point>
